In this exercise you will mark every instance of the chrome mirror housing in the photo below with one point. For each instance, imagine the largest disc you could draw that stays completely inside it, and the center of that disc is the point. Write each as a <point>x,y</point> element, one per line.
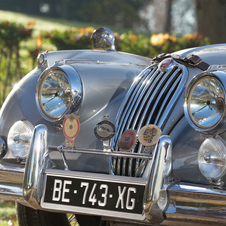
<point>103,38</point>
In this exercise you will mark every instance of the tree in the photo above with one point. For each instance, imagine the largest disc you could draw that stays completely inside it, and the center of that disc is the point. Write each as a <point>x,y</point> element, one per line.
<point>211,19</point>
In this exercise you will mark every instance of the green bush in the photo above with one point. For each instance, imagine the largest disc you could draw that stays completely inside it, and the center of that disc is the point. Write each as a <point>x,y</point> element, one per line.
<point>70,39</point>
<point>11,35</point>
<point>75,38</point>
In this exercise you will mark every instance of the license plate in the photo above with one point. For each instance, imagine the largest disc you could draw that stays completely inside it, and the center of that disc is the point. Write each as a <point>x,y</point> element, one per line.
<point>87,191</point>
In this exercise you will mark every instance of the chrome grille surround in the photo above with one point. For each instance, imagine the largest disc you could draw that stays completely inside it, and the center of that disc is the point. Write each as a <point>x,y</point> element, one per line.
<point>150,100</point>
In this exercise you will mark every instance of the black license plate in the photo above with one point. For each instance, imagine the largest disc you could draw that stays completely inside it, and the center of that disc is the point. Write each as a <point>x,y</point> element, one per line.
<point>94,194</point>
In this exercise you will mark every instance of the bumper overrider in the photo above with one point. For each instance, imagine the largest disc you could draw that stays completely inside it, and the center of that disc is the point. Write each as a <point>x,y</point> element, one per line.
<point>164,197</point>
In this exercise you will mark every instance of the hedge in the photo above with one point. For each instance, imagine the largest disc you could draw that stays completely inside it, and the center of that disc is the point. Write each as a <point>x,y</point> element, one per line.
<point>15,38</point>
<point>75,38</point>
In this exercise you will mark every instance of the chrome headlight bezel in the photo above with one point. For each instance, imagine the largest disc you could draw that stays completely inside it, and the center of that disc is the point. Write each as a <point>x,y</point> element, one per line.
<point>218,126</point>
<point>74,92</point>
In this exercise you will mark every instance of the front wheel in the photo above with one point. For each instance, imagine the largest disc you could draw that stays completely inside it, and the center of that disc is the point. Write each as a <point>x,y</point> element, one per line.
<point>27,216</point>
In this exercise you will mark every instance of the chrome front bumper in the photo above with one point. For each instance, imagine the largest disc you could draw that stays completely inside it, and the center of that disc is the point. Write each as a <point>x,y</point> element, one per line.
<point>164,198</point>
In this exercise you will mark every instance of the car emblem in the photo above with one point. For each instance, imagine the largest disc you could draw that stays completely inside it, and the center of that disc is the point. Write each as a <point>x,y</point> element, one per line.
<point>104,130</point>
<point>128,140</point>
<point>71,127</point>
<point>166,63</point>
<point>149,135</point>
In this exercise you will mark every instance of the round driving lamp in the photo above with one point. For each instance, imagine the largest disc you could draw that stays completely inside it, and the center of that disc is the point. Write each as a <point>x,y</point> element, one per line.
<point>19,138</point>
<point>212,158</point>
<point>58,92</point>
<point>204,103</point>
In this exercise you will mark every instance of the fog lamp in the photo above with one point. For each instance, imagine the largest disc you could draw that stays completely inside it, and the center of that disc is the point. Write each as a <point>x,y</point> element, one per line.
<point>19,138</point>
<point>212,158</point>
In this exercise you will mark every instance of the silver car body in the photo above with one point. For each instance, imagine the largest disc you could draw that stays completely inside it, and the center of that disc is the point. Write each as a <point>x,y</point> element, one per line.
<point>108,79</point>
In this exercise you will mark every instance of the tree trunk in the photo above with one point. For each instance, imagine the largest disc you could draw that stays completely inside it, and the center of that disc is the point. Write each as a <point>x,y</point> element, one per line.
<point>211,19</point>
<point>167,28</point>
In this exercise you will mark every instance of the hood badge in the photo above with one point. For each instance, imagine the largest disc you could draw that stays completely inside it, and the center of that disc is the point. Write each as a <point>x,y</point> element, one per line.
<point>104,130</point>
<point>149,135</point>
<point>128,140</point>
<point>165,63</point>
<point>71,127</point>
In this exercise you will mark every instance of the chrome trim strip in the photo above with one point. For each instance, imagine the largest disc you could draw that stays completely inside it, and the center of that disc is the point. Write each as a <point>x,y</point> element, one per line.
<point>196,203</point>
<point>11,168</point>
<point>68,62</point>
<point>95,176</point>
<point>154,200</point>
<point>38,159</point>
<point>101,152</point>
<point>10,191</point>
<point>11,180</point>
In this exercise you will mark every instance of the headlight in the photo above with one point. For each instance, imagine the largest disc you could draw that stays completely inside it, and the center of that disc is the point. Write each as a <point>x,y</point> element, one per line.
<point>58,91</point>
<point>204,104</point>
<point>212,158</point>
<point>19,138</point>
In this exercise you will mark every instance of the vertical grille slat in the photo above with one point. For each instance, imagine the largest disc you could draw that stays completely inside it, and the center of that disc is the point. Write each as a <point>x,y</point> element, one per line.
<point>139,101</point>
<point>127,111</point>
<point>165,102</point>
<point>150,100</point>
<point>150,103</point>
<point>150,118</point>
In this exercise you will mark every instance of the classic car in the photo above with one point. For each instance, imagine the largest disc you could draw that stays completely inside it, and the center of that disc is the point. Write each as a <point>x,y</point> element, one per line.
<point>101,137</point>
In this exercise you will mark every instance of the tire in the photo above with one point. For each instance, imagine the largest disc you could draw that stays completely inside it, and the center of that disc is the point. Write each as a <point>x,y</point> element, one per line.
<point>86,220</point>
<point>27,216</point>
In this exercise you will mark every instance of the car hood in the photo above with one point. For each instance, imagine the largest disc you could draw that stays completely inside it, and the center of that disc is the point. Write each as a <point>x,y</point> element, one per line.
<point>212,54</point>
<point>106,76</point>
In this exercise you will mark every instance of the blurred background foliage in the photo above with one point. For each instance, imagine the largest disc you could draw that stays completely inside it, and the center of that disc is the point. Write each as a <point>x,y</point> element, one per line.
<point>143,27</point>
<point>19,47</point>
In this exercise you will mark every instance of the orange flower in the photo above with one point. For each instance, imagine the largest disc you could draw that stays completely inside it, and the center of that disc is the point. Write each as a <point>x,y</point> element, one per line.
<point>30,23</point>
<point>39,41</point>
<point>90,30</point>
<point>160,39</point>
<point>132,37</point>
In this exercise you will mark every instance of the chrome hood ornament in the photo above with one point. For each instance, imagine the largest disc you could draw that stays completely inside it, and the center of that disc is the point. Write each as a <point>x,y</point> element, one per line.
<point>103,38</point>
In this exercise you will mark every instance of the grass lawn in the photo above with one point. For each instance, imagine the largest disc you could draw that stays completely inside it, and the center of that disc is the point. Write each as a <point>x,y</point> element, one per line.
<point>48,24</point>
<point>7,213</point>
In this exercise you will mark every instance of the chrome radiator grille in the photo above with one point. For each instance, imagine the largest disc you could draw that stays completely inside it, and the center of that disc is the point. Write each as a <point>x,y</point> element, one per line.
<point>150,100</point>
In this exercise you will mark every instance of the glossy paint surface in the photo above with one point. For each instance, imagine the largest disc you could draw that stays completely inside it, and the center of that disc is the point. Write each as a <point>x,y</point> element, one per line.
<point>104,84</point>
<point>106,78</point>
